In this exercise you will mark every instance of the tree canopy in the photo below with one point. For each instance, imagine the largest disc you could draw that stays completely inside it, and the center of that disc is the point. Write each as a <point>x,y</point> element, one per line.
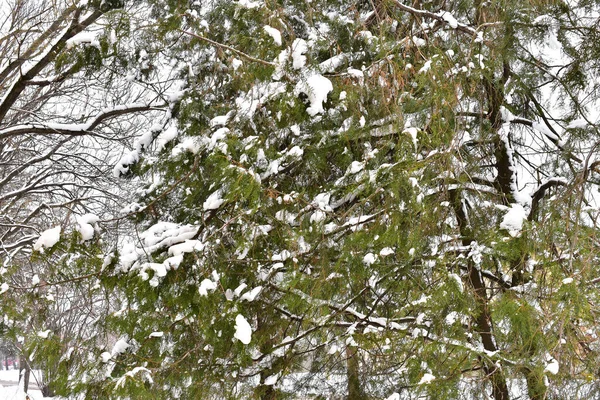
<point>326,199</point>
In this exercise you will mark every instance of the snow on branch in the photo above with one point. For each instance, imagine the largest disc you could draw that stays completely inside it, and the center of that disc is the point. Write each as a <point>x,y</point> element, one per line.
<point>445,18</point>
<point>53,50</point>
<point>77,129</point>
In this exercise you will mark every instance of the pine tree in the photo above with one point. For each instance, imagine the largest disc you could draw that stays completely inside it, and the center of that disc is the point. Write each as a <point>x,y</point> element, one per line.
<point>361,200</point>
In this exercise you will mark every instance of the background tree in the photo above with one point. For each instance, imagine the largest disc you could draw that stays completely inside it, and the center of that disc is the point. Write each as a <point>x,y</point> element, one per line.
<point>73,98</point>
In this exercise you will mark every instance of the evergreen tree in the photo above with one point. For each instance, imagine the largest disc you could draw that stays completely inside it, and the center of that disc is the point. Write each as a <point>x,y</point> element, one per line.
<point>361,200</point>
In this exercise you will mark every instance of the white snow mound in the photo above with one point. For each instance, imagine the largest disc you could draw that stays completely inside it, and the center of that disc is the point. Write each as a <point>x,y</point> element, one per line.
<point>316,87</point>
<point>243,331</point>
<point>48,238</point>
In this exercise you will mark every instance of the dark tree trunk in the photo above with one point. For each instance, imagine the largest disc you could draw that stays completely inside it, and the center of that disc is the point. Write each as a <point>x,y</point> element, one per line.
<point>353,374</point>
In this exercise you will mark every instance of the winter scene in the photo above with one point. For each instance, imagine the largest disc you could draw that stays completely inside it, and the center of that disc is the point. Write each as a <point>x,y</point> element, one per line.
<point>299,199</point>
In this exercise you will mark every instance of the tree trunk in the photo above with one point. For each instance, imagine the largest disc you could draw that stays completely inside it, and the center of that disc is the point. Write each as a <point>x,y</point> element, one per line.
<point>353,374</point>
<point>483,318</point>
<point>24,365</point>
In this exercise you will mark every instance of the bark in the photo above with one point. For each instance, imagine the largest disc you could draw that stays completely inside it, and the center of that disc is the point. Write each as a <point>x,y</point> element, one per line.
<point>483,318</point>
<point>353,374</point>
<point>24,365</point>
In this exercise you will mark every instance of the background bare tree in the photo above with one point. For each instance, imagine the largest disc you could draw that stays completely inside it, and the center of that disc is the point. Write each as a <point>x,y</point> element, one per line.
<point>76,95</point>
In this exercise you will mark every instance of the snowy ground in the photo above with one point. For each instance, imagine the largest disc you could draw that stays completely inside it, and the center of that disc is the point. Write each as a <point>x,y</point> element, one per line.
<point>10,389</point>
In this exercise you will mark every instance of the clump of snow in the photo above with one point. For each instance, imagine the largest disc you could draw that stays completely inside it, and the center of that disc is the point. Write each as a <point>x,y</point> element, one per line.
<point>186,247</point>
<point>271,380</point>
<point>243,331</point>
<point>213,201</point>
<point>545,130</point>
<point>427,378</point>
<point>426,67</point>
<point>299,48</point>
<point>122,167</point>
<point>48,238</point>
<point>566,281</point>
<point>83,37</point>
<point>220,120</point>
<point>206,286</point>
<point>86,229</point>
<point>458,281</point>
<point>106,356</point>
<point>236,63</point>
<point>412,131</point>
<point>449,19</point>
<point>333,63</point>
<point>369,259</point>
<point>394,396</point>
<point>249,4</point>
<point>577,123</point>
<point>274,33</point>
<point>251,295</point>
<point>4,288</point>
<point>120,347</point>
<point>156,334</point>
<point>552,366</point>
<point>240,289</point>
<point>316,87</point>
<point>44,334</point>
<point>513,219</point>
<point>145,372</point>
<point>355,167</point>
<point>386,251</point>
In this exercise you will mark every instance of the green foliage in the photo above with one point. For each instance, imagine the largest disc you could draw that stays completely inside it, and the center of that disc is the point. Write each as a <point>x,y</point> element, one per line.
<point>370,235</point>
